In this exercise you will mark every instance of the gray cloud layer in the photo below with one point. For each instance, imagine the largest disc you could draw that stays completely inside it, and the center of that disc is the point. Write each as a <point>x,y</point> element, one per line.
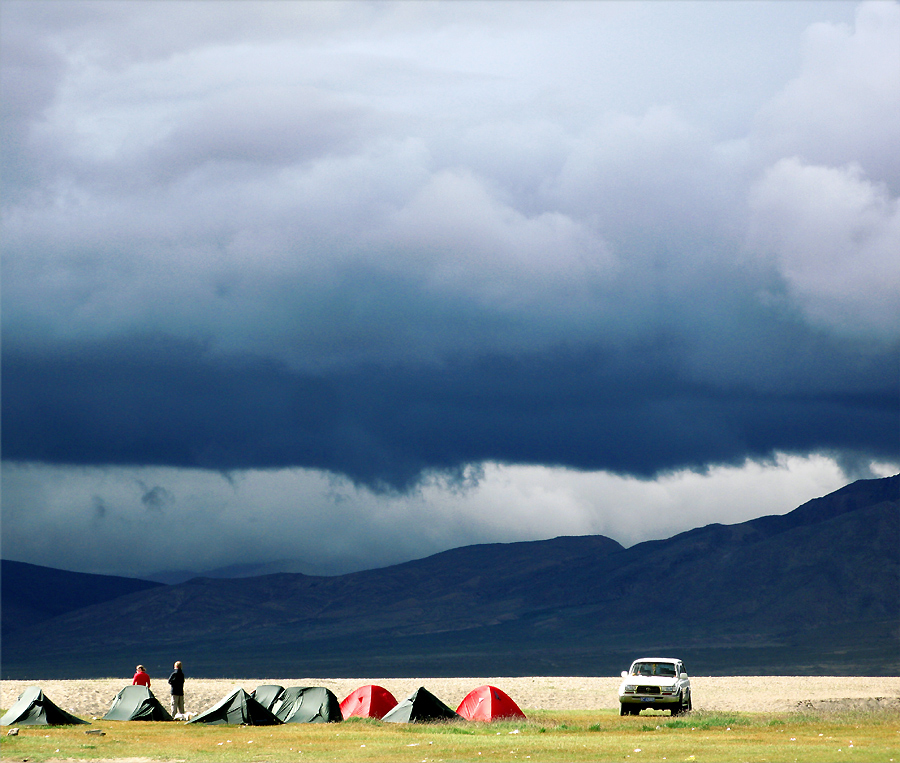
<point>387,239</point>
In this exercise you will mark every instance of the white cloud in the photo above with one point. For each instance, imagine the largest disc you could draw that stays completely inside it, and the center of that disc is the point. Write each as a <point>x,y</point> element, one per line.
<point>93,519</point>
<point>844,105</point>
<point>221,178</point>
<point>468,240</point>
<point>835,236</point>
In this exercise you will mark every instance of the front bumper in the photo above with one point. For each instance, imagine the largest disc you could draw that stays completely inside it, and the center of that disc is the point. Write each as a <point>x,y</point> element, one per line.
<point>651,701</point>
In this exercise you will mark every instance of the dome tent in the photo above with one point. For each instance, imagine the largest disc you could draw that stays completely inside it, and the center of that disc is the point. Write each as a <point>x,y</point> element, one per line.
<point>238,708</point>
<point>34,709</point>
<point>268,695</point>
<point>488,703</point>
<point>136,703</point>
<point>420,707</point>
<point>309,704</point>
<point>369,701</point>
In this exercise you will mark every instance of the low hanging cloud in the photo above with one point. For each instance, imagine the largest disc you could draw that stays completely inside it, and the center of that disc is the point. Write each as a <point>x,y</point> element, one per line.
<point>316,524</point>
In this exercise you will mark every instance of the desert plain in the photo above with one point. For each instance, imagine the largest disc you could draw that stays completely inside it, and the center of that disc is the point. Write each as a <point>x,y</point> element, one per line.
<point>92,698</point>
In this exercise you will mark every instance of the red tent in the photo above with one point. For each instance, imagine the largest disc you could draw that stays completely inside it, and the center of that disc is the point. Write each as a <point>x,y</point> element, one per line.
<point>488,703</point>
<point>368,702</point>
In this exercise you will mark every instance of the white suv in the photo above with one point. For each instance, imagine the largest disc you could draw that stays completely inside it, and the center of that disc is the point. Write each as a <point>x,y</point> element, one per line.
<point>660,683</point>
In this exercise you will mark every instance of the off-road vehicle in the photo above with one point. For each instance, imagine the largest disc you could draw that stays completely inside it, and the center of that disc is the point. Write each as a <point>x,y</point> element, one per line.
<point>660,683</point>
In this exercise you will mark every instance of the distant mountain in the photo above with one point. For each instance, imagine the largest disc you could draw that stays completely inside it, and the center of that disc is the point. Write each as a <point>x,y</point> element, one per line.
<point>31,594</point>
<point>813,591</point>
<point>173,577</point>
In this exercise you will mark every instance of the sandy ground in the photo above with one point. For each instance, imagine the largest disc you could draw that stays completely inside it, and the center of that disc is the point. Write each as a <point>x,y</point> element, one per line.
<point>93,698</point>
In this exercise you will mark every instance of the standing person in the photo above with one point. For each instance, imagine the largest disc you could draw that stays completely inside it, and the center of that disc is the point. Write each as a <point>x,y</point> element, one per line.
<point>176,681</point>
<point>140,677</point>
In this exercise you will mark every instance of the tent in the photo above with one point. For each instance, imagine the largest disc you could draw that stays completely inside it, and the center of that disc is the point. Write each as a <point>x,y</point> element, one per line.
<point>268,695</point>
<point>136,703</point>
<point>368,702</point>
<point>420,707</point>
<point>309,704</point>
<point>238,708</point>
<point>488,703</point>
<point>34,709</point>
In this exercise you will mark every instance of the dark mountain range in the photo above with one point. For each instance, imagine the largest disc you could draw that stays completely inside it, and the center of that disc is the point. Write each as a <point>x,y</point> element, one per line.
<point>815,591</point>
<point>31,594</point>
<point>298,566</point>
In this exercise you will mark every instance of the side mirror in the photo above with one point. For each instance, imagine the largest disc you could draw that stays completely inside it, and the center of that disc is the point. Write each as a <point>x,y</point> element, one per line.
<point>684,674</point>
<point>624,674</point>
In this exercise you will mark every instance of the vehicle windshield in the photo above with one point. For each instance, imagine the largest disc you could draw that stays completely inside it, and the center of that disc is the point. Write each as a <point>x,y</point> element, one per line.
<point>664,669</point>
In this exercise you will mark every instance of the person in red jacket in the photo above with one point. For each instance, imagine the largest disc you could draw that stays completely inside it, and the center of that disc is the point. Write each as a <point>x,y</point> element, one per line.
<point>140,677</point>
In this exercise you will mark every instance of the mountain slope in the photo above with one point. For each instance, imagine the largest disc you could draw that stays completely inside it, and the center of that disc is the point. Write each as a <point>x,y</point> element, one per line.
<point>816,590</point>
<point>31,594</point>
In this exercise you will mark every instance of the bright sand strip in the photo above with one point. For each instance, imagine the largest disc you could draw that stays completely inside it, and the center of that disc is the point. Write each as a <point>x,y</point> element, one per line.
<point>90,698</point>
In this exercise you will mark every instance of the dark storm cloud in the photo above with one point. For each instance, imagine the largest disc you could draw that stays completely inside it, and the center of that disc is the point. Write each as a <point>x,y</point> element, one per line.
<point>390,239</point>
<point>629,411</point>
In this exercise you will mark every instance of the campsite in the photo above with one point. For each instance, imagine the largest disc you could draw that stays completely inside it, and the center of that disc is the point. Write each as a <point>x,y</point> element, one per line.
<point>567,719</point>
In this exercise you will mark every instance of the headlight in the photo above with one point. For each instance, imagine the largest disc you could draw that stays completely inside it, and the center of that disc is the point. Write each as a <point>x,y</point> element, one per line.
<point>669,689</point>
<point>630,688</point>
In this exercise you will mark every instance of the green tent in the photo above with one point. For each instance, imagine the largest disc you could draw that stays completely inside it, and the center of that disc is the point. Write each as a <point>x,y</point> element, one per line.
<point>309,704</point>
<point>239,709</point>
<point>268,695</point>
<point>34,709</point>
<point>420,707</point>
<point>136,703</point>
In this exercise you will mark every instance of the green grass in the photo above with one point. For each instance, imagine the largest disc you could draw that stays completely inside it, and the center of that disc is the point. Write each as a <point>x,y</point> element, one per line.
<point>704,721</point>
<point>546,736</point>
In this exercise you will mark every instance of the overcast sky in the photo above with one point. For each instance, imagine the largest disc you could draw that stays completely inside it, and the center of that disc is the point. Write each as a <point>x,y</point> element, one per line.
<point>353,283</point>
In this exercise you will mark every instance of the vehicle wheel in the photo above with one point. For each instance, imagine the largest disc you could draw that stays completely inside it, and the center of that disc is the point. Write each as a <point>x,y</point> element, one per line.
<point>624,710</point>
<point>677,707</point>
<point>690,705</point>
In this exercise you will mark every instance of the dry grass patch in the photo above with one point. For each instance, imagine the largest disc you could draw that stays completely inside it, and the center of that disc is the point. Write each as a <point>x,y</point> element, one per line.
<point>581,735</point>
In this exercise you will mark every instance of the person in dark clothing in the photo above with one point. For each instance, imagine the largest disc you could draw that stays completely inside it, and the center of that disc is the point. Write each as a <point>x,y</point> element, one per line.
<point>176,682</point>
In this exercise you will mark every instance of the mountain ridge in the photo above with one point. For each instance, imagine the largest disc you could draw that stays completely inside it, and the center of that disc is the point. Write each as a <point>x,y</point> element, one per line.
<point>774,592</point>
<point>31,593</point>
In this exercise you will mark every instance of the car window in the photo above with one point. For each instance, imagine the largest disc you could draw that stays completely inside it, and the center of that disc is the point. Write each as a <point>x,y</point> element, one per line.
<point>664,669</point>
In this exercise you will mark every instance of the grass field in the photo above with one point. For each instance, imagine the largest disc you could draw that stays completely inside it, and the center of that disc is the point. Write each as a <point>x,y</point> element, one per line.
<point>580,735</point>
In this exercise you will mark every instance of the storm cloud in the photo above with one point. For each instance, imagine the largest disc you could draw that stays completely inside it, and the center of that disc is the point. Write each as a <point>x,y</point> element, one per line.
<point>636,410</point>
<point>394,242</point>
